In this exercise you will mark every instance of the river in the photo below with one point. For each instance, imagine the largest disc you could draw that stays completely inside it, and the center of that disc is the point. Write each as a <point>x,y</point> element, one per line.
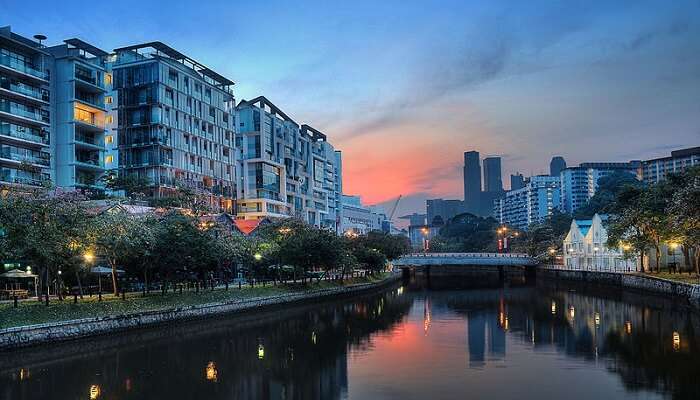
<point>519,340</point>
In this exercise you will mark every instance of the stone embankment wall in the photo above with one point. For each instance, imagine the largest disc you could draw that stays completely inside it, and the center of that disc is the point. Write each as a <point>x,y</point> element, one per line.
<point>644,283</point>
<point>67,330</point>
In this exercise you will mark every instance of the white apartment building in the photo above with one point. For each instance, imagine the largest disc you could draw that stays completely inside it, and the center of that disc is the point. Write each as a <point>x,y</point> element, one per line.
<point>361,219</point>
<point>531,204</point>
<point>655,170</point>
<point>579,184</point>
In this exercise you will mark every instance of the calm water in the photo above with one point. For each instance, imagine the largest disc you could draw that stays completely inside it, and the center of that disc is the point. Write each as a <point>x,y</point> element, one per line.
<point>513,342</point>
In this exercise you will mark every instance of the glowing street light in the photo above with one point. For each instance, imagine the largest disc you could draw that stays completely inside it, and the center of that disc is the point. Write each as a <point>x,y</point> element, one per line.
<point>89,257</point>
<point>257,256</point>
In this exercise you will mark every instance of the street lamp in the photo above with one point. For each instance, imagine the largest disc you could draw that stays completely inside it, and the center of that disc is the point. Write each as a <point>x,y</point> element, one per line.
<point>425,231</point>
<point>673,246</point>
<point>257,256</point>
<point>595,256</point>
<point>551,255</point>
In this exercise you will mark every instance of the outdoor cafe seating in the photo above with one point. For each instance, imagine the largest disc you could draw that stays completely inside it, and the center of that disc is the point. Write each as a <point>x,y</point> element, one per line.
<point>16,284</point>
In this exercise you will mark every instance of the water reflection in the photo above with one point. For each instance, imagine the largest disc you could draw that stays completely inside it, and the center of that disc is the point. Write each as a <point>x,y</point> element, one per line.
<point>404,343</point>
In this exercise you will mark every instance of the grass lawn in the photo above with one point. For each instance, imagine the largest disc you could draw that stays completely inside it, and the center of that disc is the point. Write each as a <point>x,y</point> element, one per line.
<point>684,277</point>
<point>32,312</point>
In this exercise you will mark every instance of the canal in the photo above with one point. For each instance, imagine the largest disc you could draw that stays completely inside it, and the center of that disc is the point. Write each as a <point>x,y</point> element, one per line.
<point>519,340</point>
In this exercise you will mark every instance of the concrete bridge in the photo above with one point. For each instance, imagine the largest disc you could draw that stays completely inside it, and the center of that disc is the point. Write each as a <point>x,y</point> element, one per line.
<point>465,259</point>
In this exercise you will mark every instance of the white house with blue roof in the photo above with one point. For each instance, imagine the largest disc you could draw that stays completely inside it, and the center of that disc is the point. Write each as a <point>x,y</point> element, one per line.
<point>585,247</point>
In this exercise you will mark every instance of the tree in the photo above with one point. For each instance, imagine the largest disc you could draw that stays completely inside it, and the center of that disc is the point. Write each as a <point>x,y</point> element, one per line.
<point>132,184</point>
<point>44,228</point>
<point>684,212</point>
<point>607,189</point>
<point>466,233</point>
<point>120,238</point>
<point>391,246</point>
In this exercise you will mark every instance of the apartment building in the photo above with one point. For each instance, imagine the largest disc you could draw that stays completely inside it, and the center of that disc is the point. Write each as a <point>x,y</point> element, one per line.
<point>579,184</point>
<point>81,82</point>
<point>25,111</point>
<point>176,123</point>
<point>360,219</point>
<point>531,204</point>
<point>286,170</point>
<point>655,170</point>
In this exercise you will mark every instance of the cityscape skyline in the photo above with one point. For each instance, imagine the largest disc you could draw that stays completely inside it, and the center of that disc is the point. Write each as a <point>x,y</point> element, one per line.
<point>485,91</point>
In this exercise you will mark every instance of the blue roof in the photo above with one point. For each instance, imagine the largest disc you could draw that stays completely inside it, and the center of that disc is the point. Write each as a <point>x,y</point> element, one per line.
<point>584,225</point>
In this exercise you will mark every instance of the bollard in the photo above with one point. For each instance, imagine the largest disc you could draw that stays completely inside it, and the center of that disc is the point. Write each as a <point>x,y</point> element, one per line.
<point>99,296</point>
<point>239,284</point>
<point>123,295</point>
<point>75,298</point>
<point>15,301</point>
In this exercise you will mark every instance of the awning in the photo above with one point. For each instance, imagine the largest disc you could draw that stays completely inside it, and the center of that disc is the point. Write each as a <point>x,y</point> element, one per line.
<point>17,274</point>
<point>104,271</point>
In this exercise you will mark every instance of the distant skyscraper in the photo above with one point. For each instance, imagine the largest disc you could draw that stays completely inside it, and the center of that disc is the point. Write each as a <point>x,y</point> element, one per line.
<point>492,174</point>
<point>556,165</point>
<point>517,181</point>
<point>472,180</point>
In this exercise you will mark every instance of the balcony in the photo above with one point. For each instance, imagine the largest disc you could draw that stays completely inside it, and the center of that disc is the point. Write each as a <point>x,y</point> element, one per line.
<point>23,68</point>
<point>9,175</point>
<point>89,140</point>
<point>25,156</point>
<point>88,119</point>
<point>24,134</point>
<point>23,113</point>
<point>25,92</point>
<point>91,163</point>
<point>87,181</point>
<point>90,100</point>
<point>88,81</point>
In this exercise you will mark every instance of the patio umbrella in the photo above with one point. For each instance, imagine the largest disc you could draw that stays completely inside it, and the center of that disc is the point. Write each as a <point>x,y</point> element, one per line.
<point>104,271</point>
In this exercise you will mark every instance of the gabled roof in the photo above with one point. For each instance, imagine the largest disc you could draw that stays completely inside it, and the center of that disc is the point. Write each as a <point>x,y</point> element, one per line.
<point>315,134</point>
<point>79,44</point>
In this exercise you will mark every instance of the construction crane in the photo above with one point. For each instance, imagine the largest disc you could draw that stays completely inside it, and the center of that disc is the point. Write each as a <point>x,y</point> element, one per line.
<point>396,205</point>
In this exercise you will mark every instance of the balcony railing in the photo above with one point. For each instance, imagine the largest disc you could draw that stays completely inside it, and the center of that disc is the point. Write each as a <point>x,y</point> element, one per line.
<point>30,157</point>
<point>22,67</point>
<point>15,109</point>
<point>25,90</point>
<point>93,162</point>
<point>23,133</point>
<point>21,177</point>
<point>89,118</point>
<point>89,139</point>
<point>89,100</point>
<point>88,78</point>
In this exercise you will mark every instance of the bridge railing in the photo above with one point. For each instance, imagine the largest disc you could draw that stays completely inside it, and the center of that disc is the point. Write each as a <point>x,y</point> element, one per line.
<point>466,255</point>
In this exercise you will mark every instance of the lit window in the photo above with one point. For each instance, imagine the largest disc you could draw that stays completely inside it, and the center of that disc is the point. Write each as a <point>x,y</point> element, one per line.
<point>108,100</point>
<point>108,79</point>
<point>109,159</point>
<point>109,119</point>
<point>109,139</point>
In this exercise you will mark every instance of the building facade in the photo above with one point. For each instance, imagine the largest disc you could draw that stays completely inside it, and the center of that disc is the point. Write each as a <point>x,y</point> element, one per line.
<point>579,184</point>
<point>520,208</point>
<point>556,165</point>
<point>472,181</point>
<point>655,170</point>
<point>585,247</point>
<point>26,114</point>
<point>441,210</point>
<point>286,170</point>
<point>360,219</point>
<point>492,175</point>
<point>176,125</point>
<point>81,83</point>
<point>517,181</point>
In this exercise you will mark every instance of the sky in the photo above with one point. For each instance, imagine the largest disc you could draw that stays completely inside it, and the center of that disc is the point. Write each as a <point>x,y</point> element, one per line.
<point>403,88</point>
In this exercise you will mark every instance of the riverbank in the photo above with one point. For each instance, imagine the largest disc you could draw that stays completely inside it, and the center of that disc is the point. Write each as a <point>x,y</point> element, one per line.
<point>121,315</point>
<point>639,282</point>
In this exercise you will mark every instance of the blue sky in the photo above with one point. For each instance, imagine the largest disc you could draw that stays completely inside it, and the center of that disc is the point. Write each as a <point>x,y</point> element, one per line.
<point>403,88</point>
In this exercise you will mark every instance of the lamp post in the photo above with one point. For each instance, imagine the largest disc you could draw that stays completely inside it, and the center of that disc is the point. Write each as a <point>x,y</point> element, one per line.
<point>595,257</point>
<point>425,232</point>
<point>673,246</point>
<point>551,256</point>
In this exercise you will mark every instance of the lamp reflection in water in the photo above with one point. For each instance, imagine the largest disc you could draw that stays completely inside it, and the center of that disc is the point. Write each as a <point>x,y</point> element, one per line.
<point>94,392</point>
<point>211,371</point>
<point>572,312</point>
<point>628,327</point>
<point>676,341</point>
<point>261,351</point>
<point>554,307</point>
<point>597,319</point>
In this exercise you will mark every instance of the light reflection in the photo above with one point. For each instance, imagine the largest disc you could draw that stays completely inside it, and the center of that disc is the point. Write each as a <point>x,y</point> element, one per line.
<point>211,371</point>
<point>261,351</point>
<point>628,327</point>
<point>95,392</point>
<point>554,307</point>
<point>572,312</point>
<point>597,319</point>
<point>676,341</point>
<point>399,291</point>
<point>313,337</point>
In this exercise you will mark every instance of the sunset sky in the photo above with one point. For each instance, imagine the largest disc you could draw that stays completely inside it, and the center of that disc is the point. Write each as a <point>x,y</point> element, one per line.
<point>403,90</point>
